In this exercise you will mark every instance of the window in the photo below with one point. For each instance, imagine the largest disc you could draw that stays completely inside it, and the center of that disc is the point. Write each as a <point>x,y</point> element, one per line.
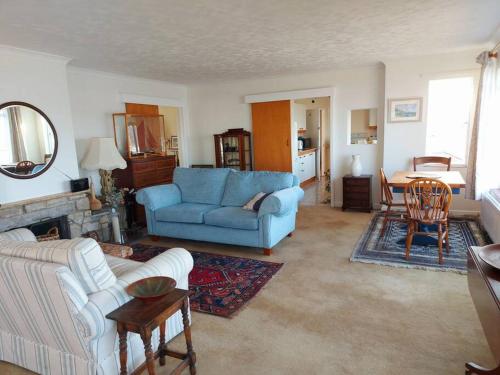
<point>449,117</point>
<point>5,139</point>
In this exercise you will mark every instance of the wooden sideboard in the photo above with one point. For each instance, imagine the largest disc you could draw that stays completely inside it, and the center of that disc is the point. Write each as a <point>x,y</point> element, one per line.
<point>484,287</point>
<point>144,172</point>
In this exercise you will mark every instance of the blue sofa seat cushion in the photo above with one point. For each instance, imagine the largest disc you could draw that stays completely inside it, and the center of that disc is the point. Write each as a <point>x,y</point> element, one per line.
<point>242,186</point>
<point>233,217</point>
<point>184,212</point>
<point>201,185</point>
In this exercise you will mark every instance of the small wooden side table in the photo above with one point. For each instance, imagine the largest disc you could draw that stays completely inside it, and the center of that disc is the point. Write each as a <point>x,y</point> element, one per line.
<point>142,318</point>
<point>357,192</point>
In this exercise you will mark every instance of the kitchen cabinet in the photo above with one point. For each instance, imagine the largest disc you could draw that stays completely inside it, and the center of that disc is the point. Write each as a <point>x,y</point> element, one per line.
<point>299,116</point>
<point>306,166</point>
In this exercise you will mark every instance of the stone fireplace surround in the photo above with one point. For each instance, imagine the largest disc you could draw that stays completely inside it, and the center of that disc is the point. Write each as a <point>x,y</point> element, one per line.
<point>75,205</point>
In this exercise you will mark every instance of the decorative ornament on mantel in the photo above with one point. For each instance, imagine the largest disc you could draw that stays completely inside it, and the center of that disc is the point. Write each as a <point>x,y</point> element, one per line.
<point>356,167</point>
<point>103,155</point>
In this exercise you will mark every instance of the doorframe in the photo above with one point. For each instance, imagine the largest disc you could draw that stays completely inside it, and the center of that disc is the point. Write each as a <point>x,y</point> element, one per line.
<point>181,105</point>
<point>302,94</point>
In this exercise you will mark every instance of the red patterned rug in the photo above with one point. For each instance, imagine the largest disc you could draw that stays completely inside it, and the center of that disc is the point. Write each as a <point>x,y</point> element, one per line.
<point>221,284</point>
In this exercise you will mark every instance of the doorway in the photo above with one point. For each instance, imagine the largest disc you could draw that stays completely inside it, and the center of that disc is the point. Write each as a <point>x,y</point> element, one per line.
<point>309,168</point>
<point>171,131</point>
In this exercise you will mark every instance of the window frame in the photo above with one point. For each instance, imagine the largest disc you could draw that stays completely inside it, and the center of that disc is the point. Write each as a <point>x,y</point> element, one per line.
<point>474,74</point>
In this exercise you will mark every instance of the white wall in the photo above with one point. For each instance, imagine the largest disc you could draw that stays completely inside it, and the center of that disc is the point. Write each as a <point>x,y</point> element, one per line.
<point>40,80</point>
<point>95,96</point>
<point>410,78</point>
<point>217,107</point>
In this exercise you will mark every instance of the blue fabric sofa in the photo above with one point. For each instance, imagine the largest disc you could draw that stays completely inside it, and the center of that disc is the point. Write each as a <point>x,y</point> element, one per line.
<point>206,205</point>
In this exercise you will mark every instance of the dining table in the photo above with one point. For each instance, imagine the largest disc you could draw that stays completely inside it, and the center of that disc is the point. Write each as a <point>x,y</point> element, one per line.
<point>400,179</point>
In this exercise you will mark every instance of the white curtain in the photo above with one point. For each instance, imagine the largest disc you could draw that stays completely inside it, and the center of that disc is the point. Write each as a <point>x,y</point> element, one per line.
<point>483,171</point>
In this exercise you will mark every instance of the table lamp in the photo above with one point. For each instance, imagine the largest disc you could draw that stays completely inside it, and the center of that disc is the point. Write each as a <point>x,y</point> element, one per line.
<point>102,155</point>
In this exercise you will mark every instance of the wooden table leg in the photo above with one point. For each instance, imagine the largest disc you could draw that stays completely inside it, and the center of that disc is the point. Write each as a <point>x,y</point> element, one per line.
<point>148,351</point>
<point>122,333</point>
<point>187,333</point>
<point>163,346</point>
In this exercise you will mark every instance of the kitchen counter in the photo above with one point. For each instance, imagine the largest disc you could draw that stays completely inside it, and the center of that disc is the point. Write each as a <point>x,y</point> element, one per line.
<point>306,151</point>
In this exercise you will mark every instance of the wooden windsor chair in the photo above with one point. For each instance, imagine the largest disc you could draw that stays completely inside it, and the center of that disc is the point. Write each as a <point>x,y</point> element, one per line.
<point>427,203</point>
<point>387,199</point>
<point>431,160</point>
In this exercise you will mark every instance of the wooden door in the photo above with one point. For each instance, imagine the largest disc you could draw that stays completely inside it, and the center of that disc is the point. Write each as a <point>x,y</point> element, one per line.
<point>141,109</point>
<point>271,126</point>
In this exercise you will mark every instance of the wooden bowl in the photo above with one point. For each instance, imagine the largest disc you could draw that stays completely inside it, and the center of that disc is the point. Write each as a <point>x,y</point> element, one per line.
<point>491,255</point>
<point>151,288</point>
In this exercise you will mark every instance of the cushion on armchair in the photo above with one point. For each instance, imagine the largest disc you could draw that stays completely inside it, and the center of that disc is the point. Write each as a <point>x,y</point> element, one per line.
<point>83,256</point>
<point>20,234</point>
<point>243,186</point>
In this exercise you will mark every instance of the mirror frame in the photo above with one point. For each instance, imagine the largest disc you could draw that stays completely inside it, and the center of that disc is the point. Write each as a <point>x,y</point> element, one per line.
<point>56,142</point>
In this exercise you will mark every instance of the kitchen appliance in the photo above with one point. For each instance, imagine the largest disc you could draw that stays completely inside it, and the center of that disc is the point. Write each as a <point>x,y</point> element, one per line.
<point>306,143</point>
<point>300,143</point>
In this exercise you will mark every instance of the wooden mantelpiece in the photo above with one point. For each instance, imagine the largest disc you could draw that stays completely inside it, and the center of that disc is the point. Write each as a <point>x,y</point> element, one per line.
<point>43,198</point>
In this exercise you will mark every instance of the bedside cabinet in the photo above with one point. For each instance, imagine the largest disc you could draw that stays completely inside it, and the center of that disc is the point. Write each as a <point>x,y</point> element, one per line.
<point>357,193</point>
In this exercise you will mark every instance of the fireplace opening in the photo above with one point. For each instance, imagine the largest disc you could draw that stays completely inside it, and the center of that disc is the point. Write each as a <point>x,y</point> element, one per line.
<point>58,225</point>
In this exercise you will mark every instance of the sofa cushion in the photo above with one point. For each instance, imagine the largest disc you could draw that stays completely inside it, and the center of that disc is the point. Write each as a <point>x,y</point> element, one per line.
<point>201,185</point>
<point>184,212</point>
<point>83,256</point>
<point>233,217</point>
<point>242,186</point>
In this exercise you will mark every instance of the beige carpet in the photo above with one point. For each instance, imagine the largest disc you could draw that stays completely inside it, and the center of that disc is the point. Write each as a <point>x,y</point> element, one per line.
<point>322,314</point>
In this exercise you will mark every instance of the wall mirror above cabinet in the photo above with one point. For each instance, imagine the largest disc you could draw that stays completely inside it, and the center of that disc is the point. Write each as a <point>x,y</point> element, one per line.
<point>28,140</point>
<point>363,126</point>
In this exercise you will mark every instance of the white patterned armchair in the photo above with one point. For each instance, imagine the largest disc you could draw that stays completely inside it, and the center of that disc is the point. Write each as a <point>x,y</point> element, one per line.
<point>54,297</point>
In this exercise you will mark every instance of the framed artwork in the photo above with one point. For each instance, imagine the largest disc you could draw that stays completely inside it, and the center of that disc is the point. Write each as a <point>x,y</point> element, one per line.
<point>405,110</point>
<point>174,142</point>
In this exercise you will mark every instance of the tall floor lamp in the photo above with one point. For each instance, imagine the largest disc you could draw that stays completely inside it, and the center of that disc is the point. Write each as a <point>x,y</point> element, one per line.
<point>102,155</point>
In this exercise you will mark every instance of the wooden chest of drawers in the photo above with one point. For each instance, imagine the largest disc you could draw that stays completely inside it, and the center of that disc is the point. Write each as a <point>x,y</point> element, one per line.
<point>144,172</point>
<point>357,194</point>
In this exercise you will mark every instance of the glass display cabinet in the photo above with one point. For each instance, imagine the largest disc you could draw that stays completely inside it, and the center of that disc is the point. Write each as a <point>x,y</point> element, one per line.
<point>139,135</point>
<point>233,150</point>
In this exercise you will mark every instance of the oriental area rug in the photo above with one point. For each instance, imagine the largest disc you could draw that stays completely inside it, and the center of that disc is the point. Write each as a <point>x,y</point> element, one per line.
<point>389,250</point>
<point>222,284</point>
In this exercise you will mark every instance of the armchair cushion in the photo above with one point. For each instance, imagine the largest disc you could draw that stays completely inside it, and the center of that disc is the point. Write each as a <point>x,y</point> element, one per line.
<point>155,197</point>
<point>233,217</point>
<point>20,234</point>
<point>201,185</point>
<point>243,186</point>
<point>83,256</point>
<point>184,212</point>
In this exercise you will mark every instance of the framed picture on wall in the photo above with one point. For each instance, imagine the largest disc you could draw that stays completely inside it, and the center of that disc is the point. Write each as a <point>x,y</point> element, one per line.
<point>174,142</point>
<point>405,110</point>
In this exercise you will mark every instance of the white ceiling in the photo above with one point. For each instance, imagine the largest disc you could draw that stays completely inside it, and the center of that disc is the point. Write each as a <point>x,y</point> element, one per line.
<point>202,40</point>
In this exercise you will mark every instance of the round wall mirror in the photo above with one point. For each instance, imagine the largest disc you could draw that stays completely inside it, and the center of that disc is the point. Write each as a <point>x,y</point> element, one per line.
<point>28,140</point>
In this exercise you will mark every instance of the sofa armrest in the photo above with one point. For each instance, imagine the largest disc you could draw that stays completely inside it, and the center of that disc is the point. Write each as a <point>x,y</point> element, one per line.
<point>281,202</point>
<point>155,197</point>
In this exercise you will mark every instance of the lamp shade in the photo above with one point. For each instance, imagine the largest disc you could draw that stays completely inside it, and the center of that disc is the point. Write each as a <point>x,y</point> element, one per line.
<point>102,154</point>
